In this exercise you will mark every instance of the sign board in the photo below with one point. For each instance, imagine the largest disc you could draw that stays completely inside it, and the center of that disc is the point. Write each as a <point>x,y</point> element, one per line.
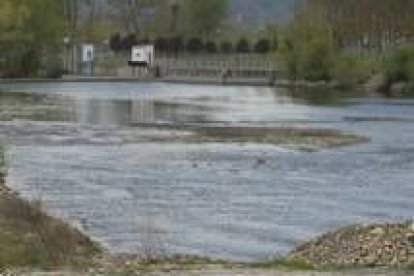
<point>87,53</point>
<point>142,55</point>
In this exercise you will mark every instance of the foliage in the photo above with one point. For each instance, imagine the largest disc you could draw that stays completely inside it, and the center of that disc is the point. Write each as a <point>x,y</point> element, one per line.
<point>25,39</point>
<point>115,43</point>
<point>350,69</point>
<point>368,24</point>
<point>400,66</point>
<point>226,46</point>
<point>243,46</point>
<point>210,47</point>
<point>129,41</point>
<point>161,44</point>
<point>176,44</point>
<point>203,16</point>
<point>262,46</point>
<point>195,45</point>
<point>308,53</point>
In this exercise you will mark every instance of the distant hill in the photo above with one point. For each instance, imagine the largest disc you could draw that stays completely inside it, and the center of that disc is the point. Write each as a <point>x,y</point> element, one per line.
<point>258,12</point>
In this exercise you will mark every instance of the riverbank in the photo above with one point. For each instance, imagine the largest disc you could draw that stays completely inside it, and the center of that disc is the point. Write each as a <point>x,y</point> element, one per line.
<point>375,245</point>
<point>37,242</point>
<point>172,79</point>
<point>31,238</point>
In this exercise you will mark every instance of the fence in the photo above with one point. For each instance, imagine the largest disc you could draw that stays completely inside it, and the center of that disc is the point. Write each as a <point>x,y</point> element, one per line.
<point>218,66</point>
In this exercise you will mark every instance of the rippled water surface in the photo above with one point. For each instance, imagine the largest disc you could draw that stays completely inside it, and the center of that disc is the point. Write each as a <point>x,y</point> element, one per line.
<point>80,148</point>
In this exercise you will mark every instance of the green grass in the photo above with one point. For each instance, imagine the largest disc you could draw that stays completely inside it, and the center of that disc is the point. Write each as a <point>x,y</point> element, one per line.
<point>29,238</point>
<point>286,263</point>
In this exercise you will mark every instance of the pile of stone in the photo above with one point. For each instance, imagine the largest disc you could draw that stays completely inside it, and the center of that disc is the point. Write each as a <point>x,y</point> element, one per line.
<point>385,245</point>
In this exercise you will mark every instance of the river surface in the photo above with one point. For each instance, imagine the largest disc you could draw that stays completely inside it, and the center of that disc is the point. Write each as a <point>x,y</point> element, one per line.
<point>78,147</point>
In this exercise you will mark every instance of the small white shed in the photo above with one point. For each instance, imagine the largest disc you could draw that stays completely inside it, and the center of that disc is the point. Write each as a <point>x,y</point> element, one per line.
<point>142,55</point>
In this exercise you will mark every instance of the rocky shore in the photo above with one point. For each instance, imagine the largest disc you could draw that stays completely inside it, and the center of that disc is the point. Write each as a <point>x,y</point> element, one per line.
<point>377,245</point>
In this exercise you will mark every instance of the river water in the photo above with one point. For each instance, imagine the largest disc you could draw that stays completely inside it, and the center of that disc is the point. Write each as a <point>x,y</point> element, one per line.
<point>82,149</point>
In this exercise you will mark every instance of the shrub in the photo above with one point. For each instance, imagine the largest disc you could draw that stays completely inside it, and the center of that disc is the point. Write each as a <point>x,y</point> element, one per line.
<point>243,46</point>
<point>262,46</point>
<point>30,63</point>
<point>350,69</point>
<point>195,45</point>
<point>54,68</point>
<point>317,61</point>
<point>176,44</point>
<point>161,44</point>
<point>210,47</point>
<point>400,66</point>
<point>115,43</point>
<point>308,57</point>
<point>129,41</point>
<point>226,47</point>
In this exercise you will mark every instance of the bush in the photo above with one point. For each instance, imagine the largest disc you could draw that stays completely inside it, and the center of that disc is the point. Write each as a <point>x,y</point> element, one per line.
<point>195,45</point>
<point>210,47</point>
<point>226,47</point>
<point>54,68</point>
<point>400,66</point>
<point>176,44</point>
<point>262,46</point>
<point>317,61</point>
<point>115,43</point>
<point>243,46</point>
<point>129,41</point>
<point>350,69</point>
<point>308,58</point>
<point>20,63</point>
<point>161,44</point>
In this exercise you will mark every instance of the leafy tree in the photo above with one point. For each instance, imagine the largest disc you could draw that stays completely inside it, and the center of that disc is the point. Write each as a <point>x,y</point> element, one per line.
<point>308,55</point>
<point>210,47</point>
<point>262,46</point>
<point>195,45</point>
<point>161,44</point>
<point>400,66</point>
<point>129,41</point>
<point>243,46</point>
<point>204,16</point>
<point>115,43</point>
<point>176,44</point>
<point>226,47</point>
<point>27,44</point>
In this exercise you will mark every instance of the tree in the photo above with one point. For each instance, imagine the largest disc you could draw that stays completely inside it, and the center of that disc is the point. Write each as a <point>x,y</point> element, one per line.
<point>226,47</point>
<point>371,24</point>
<point>161,44</point>
<point>210,47</point>
<point>129,41</point>
<point>262,46</point>
<point>204,16</point>
<point>195,45</point>
<point>115,43</point>
<point>243,46</point>
<point>176,44</point>
<point>26,42</point>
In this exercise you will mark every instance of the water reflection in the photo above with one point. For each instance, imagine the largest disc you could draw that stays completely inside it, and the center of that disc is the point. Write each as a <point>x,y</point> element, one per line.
<point>238,201</point>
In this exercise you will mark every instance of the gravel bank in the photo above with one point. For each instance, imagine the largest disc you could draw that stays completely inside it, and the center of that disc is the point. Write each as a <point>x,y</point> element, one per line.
<point>378,245</point>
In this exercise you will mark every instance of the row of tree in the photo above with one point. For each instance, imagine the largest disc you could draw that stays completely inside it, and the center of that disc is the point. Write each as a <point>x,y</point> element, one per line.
<point>348,41</point>
<point>27,42</point>
<point>91,19</point>
<point>361,23</point>
<point>193,45</point>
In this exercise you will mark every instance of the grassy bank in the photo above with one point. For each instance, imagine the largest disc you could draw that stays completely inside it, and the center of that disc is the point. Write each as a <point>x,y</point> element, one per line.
<point>30,238</point>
